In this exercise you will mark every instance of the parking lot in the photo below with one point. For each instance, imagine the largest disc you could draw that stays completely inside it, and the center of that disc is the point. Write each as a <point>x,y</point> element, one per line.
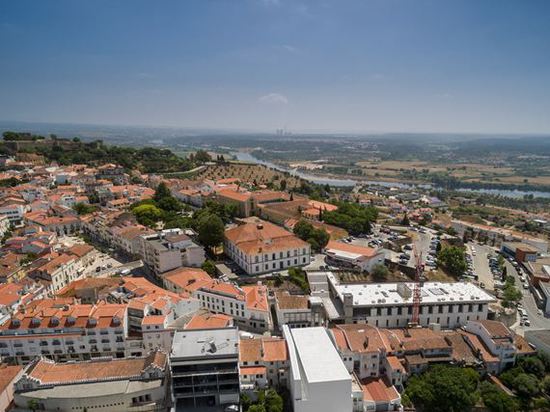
<point>480,264</point>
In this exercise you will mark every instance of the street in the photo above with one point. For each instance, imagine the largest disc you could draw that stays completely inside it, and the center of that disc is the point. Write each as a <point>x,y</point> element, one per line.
<point>481,264</point>
<point>529,305</point>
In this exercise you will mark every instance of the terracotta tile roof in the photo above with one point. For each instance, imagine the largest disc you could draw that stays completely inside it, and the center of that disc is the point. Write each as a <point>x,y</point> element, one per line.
<point>379,390</point>
<point>153,320</point>
<point>7,374</point>
<point>252,370</point>
<point>234,195</point>
<point>345,247</point>
<point>209,320</point>
<point>395,363</point>
<point>188,279</point>
<point>263,349</point>
<point>256,297</point>
<point>81,249</point>
<point>479,347</point>
<point>49,372</point>
<point>495,328</point>
<point>287,301</point>
<point>360,338</point>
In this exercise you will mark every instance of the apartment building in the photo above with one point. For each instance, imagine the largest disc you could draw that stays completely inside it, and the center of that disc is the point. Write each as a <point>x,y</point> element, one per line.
<point>170,249</point>
<point>248,305</point>
<point>389,305</point>
<point>113,385</point>
<point>318,378</point>
<point>262,247</point>
<point>63,331</point>
<point>205,367</point>
<point>13,212</point>
<point>59,271</point>
<point>263,362</point>
<point>298,311</point>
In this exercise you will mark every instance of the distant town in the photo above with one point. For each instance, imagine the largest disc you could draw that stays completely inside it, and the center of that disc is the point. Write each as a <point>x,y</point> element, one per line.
<point>140,278</point>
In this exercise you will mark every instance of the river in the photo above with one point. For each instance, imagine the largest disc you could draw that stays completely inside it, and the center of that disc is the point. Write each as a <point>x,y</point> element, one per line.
<point>320,180</point>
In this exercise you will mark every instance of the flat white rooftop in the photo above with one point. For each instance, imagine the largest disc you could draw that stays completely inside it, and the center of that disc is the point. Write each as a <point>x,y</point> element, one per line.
<point>317,355</point>
<point>205,343</point>
<point>384,294</point>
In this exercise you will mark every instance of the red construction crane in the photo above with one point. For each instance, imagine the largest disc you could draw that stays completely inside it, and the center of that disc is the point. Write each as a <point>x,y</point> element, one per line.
<point>418,282</point>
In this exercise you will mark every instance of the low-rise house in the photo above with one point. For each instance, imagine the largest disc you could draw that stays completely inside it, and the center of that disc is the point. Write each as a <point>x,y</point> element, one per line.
<point>344,254</point>
<point>497,345</point>
<point>99,384</point>
<point>263,362</point>
<point>298,311</point>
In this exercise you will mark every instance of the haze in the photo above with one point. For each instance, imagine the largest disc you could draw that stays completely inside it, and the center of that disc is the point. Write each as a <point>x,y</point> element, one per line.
<point>464,66</point>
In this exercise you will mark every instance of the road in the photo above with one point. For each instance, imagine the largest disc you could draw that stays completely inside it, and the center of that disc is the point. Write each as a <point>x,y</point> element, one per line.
<point>114,270</point>
<point>481,264</point>
<point>529,305</point>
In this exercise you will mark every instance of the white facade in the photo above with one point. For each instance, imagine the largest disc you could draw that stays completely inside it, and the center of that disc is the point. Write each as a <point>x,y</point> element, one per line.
<point>318,379</point>
<point>389,305</point>
<point>14,213</point>
<point>4,225</point>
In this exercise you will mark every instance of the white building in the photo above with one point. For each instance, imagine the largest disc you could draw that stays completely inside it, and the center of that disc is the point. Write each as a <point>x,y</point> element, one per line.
<point>170,249</point>
<point>390,305</point>
<point>100,385</point>
<point>14,213</point>
<point>4,225</point>
<point>498,339</point>
<point>64,332</point>
<point>261,247</point>
<point>319,380</point>
<point>248,306</point>
<point>364,258</point>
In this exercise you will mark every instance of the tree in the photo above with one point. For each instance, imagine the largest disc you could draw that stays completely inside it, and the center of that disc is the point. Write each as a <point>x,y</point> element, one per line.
<point>32,404</point>
<point>545,385</point>
<point>453,259</point>
<point>444,388</point>
<point>496,400</point>
<point>211,230</point>
<point>273,401</point>
<point>209,267</point>
<point>405,221</point>
<point>76,139</point>
<point>380,272</point>
<point>511,294</point>
<point>526,385</point>
<point>147,215</point>
<point>84,209</point>
<point>532,365</point>
<point>317,238</point>
<point>257,408</point>
<point>161,192</point>
<point>282,184</point>
<point>169,203</point>
<point>202,156</point>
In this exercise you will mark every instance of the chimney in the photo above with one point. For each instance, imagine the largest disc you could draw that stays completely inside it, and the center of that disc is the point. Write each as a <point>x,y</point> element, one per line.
<point>260,226</point>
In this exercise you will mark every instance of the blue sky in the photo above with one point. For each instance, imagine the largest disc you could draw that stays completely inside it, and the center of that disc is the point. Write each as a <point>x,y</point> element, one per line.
<point>388,65</point>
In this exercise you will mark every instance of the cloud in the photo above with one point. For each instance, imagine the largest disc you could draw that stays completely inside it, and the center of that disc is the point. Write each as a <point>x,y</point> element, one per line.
<point>290,49</point>
<point>273,98</point>
<point>377,76</point>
